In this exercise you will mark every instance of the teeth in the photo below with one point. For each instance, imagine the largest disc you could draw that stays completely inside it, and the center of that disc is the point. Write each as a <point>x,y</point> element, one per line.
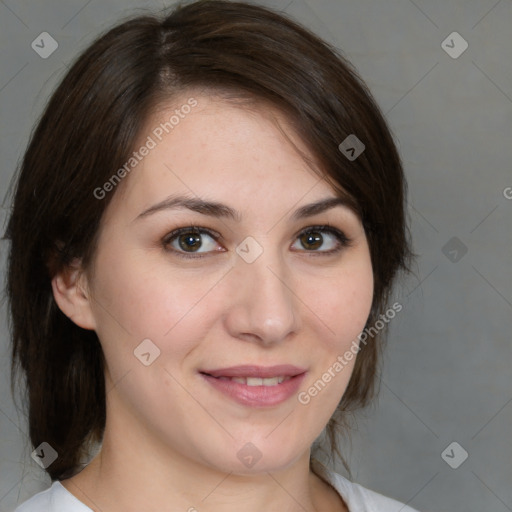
<point>255,381</point>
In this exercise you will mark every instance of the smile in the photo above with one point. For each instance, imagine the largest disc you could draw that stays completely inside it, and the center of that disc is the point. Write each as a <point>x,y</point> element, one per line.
<point>255,381</point>
<point>254,386</point>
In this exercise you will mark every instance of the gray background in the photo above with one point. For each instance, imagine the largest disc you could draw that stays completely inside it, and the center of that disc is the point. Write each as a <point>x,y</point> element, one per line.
<point>447,375</point>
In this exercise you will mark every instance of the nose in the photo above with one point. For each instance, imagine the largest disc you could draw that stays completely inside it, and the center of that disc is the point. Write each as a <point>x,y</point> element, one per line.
<point>264,304</point>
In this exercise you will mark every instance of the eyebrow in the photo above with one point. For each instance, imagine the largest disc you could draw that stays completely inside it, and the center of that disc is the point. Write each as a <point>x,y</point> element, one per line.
<point>216,209</point>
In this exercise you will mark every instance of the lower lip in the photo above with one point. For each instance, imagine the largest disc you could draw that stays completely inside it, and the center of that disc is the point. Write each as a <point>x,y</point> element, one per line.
<point>257,396</point>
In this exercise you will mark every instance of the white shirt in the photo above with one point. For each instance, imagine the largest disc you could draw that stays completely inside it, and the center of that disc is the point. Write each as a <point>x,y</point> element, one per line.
<point>358,499</point>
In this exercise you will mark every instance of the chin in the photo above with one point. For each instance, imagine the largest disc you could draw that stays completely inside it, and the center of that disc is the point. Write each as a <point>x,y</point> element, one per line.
<point>251,458</point>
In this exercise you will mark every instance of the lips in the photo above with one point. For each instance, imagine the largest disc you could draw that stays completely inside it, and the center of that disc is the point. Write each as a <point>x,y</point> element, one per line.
<point>255,372</point>
<point>256,386</point>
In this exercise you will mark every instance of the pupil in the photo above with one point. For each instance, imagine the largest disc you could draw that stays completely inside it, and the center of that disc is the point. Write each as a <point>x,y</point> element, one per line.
<point>190,241</point>
<point>314,240</point>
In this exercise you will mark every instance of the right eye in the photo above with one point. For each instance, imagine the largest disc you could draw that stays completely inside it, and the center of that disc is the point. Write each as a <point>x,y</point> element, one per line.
<point>192,240</point>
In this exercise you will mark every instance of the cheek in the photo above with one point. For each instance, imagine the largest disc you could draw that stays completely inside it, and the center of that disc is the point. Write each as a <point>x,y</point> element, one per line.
<point>136,300</point>
<point>343,307</point>
<point>343,312</point>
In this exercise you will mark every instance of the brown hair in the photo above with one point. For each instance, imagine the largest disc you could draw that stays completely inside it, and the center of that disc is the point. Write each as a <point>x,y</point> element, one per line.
<point>87,132</point>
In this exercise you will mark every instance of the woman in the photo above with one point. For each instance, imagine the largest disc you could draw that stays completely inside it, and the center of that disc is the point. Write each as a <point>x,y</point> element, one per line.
<point>206,228</point>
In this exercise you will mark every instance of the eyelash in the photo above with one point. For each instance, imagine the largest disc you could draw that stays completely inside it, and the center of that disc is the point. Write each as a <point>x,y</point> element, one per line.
<point>342,239</point>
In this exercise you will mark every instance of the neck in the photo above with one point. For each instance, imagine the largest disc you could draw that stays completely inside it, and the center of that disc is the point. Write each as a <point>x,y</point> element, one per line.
<point>124,480</point>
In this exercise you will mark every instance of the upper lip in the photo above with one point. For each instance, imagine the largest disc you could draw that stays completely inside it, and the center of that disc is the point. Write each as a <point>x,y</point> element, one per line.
<point>262,372</point>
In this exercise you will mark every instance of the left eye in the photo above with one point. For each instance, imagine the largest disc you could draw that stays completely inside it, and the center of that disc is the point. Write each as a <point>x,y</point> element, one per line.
<point>323,238</point>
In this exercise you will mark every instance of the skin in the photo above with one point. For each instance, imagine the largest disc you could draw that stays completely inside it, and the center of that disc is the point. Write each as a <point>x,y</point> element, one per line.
<point>171,440</point>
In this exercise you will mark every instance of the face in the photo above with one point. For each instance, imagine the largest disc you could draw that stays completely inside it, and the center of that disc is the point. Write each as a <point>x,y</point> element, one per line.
<point>208,260</point>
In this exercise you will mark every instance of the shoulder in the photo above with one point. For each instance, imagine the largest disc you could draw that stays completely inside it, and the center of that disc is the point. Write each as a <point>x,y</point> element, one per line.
<point>358,497</point>
<point>375,502</point>
<point>37,503</point>
<point>54,499</point>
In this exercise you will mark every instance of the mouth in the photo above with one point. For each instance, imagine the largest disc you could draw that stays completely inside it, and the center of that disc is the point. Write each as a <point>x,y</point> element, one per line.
<point>252,374</point>
<point>256,381</point>
<point>253,381</point>
<point>256,386</point>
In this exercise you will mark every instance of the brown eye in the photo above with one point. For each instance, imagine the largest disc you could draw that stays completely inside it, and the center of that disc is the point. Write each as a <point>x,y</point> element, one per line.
<point>191,241</point>
<point>322,240</point>
<point>312,240</point>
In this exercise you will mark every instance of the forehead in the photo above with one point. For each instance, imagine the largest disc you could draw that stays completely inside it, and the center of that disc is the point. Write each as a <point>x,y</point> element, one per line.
<point>207,146</point>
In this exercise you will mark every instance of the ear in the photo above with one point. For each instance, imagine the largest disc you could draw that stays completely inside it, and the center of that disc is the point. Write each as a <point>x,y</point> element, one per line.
<point>70,292</point>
